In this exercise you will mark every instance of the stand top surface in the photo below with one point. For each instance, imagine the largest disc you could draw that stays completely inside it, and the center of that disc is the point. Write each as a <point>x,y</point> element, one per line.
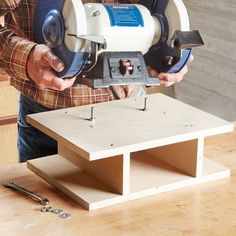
<point>122,126</point>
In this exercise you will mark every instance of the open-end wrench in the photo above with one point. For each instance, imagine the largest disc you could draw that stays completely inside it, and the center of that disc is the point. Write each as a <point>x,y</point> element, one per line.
<point>32,195</point>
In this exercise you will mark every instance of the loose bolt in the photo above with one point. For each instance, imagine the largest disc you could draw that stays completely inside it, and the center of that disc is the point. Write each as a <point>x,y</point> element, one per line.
<point>145,104</point>
<point>92,118</point>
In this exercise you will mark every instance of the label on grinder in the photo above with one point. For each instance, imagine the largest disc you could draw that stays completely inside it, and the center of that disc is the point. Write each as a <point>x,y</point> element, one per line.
<point>123,15</point>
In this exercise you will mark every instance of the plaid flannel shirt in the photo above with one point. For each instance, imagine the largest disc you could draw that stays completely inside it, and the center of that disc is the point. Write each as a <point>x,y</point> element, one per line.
<point>15,45</point>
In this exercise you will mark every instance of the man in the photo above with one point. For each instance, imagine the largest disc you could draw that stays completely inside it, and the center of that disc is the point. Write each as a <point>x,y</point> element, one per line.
<point>32,69</point>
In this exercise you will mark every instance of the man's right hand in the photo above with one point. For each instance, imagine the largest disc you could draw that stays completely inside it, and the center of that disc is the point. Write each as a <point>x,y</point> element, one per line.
<point>42,66</point>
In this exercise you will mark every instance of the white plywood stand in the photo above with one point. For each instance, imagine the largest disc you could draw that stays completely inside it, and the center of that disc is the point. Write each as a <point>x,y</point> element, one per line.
<point>127,153</point>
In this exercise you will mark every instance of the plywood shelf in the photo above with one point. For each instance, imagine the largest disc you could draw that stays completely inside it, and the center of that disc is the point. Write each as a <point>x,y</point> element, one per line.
<point>149,176</point>
<point>122,125</point>
<point>127,153</point>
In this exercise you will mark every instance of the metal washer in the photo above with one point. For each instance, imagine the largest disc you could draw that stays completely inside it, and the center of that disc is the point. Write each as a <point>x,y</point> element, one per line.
<point>65,215</point>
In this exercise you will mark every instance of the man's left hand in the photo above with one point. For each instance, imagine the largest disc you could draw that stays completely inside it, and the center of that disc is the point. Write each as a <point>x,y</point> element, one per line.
<point>168,79</point>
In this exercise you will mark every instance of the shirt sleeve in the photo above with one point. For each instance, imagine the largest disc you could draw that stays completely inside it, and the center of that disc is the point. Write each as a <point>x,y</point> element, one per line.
<point>14,51</point>
<point>8,6</point>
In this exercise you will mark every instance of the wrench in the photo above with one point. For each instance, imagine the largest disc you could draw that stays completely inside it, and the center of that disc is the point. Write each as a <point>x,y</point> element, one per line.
<point>32,195</point>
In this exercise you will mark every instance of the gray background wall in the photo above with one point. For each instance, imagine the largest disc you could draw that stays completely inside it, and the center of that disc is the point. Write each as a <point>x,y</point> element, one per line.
<point>211,82</point>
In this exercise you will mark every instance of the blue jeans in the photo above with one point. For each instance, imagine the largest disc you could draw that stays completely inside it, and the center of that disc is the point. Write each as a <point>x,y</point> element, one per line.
<point>32,143</point>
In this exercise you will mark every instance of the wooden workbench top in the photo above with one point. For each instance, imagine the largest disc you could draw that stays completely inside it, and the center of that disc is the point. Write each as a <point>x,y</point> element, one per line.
<point>205,209</point>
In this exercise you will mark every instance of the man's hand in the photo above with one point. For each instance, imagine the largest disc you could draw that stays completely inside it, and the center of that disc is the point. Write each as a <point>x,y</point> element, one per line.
<point>42,66</point>
<point>168,79</point>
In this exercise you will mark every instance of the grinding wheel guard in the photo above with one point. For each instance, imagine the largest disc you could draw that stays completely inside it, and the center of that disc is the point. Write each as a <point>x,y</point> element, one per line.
<point>49,29</point>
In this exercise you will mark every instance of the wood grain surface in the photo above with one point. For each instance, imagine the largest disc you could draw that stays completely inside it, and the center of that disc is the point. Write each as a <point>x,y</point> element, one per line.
<point>122,126</point>
<point>8,126</point>
<point>206,209</point>
<point>8,145</point>
<point>169,130</point>
<point>8,100</point>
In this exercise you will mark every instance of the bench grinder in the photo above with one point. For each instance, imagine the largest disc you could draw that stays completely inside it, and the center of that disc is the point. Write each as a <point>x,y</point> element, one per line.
<point>111,44</point>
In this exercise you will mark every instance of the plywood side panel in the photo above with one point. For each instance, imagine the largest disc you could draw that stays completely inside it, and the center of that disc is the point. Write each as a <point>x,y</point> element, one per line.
<point>184,156</point>
<point>126,173</point>
<point>108,170</point>
<point>71,180</point>
<point>200,153</point>
<point>148,171</point>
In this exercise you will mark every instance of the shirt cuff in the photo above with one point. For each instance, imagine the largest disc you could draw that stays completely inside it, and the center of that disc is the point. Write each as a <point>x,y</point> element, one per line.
<point>19,50</point>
